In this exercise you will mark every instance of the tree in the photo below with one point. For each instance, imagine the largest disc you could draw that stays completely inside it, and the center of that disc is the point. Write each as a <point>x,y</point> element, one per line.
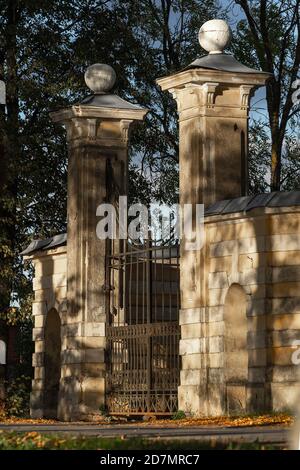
<point>268,37</point>
<point>45,48</point>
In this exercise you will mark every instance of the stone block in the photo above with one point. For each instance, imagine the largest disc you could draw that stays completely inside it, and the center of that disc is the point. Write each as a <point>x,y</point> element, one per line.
<point>215,399</point>
<point>258,323</point>
<point>191,400</point>
<point>256,400</point>
<point>93,369</point>
<point>282,356</point>
<point>49,265</point>
<point>36,413</point>
<point>254,276</point>
<point>218,280</point>
<point>36,399</point>
<point>216,328</point>
<point>93,355</point>
<point>71,329</point>
<point>256,339</point>
<point>222,264</point>
<point>285,289</point>
<point>288,373</point>
<point>284,338</point>
<point>39,321</point>
<point>191,315</point>
<point>37,384</point>
<point>236,399</point>
<point>257,374</point>
<point>286,274</point>
<point>256,307</point>
<point>93,384</point>
<point>39,373</point>
<point>279,306</point>
<point>38,359</point>
<point>93,399</point>
<point>192,376</point>
<point>216,360</point>
<point>215,375</point>
<point>217,297</point>
<point>290,321</point>
<point>285,396</point>
<point>284,258</point>
<point>256,291</point>
<point>79,342</point>
<point>257,357</point>
<point>93,329</point>
<point>251,261</point>
<point>290,242</point>
<point>39,308</point>
<point>49,282</point>
<point>38,334</point>
<point>191,331</point>
<point>71,356</point>
<point>39,346</point>
<point>215,314</point>
<point>285,223</point>
<point>245,246</point>
<point>216,344</point>
<point>192,346</point>
<point>192,361</point>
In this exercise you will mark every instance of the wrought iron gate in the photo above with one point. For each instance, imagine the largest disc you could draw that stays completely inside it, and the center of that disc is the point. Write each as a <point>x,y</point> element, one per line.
<point>143,330</point>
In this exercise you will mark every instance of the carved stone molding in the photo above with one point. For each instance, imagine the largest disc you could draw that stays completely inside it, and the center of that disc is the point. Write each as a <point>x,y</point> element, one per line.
<point>245,93</point>
<point>92,128</point>
<point>125,127</point>
<point>210,93</point>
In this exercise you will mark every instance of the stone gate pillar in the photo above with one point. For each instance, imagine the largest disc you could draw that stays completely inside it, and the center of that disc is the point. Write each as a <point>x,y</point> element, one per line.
<point>97,133</point>
<point>212,95</point>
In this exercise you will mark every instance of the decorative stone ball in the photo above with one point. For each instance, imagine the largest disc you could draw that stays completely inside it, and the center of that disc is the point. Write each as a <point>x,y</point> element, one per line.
<point>100,78</point>
<point>214,36</point>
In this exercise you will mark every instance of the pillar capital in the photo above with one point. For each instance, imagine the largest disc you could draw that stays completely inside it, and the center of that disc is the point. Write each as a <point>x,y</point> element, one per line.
<point>213,95</point>
<point>102,118</point>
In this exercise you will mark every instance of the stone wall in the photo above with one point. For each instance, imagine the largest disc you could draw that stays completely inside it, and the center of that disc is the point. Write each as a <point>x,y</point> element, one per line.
<point>248,313</point>
<point>260,252</point>
<point>50,292</point>
<point>82,344</point>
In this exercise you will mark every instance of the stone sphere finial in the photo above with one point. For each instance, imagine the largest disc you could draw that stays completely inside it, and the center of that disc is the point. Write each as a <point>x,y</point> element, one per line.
<point>100,78</point>
<point>214,36</point>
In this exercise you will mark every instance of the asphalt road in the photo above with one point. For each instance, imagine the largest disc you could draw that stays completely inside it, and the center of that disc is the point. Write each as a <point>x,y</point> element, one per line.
<point>263,434</point>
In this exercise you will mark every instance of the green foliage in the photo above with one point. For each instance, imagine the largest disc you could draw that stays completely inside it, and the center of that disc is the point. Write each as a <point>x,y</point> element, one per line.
<point>17,397</point>
<point>180,414</point>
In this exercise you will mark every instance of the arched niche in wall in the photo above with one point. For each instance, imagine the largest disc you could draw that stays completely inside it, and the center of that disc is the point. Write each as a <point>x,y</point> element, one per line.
<point>52,363</point>
<point>235,349</point>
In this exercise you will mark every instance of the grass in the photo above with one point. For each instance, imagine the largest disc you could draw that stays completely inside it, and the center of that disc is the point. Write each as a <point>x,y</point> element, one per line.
<point>37,441</point>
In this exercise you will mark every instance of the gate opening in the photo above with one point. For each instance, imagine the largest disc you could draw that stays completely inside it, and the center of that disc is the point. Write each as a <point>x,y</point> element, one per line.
<point>143,330</point>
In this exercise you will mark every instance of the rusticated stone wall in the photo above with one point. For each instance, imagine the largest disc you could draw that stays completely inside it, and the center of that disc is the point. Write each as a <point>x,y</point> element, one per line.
<point>260,253</point>
<point>82,344</point>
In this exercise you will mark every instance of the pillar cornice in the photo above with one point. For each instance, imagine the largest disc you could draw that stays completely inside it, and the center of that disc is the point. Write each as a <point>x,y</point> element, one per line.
<point>193,77</point>
<point>88,112</point>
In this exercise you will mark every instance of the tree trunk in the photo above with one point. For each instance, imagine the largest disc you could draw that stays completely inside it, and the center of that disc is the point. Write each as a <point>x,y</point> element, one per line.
<point>276,165</point>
